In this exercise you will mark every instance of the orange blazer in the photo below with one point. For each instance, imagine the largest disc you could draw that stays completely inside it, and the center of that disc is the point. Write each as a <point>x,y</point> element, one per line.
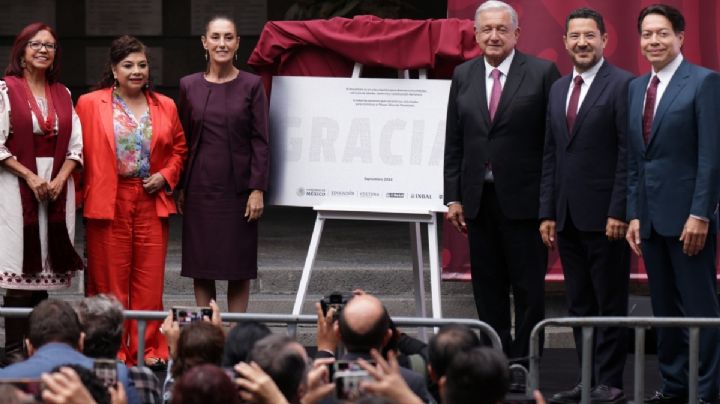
<point>167,152</point>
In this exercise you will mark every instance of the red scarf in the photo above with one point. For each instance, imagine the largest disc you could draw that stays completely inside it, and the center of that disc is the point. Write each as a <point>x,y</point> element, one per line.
<point>23,144</point>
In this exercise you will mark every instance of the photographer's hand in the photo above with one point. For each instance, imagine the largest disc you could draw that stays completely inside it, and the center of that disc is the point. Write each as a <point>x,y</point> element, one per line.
<point>171,330</point>
<point>215,319</point>
<point>117,394</point>
<point>327,340</point>
<point>65,387</point>
<point>256,386</point>
<point>318,385</point>
<point>388,380</point>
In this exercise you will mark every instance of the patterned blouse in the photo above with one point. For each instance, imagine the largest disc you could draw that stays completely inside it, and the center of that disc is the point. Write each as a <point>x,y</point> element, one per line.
<point>133,137</point>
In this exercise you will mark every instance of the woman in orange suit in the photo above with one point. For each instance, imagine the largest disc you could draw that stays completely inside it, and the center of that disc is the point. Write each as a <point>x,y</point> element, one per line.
<point>134,152</point>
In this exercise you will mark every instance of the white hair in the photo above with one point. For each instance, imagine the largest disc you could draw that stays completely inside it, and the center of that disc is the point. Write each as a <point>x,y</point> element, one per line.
<point>497,5</point>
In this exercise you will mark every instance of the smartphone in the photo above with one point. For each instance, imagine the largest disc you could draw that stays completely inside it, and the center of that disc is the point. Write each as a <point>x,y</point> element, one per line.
<point>30,389</point>
<point>106,371</point>
<point>185,315</point>
<point>347,376</point>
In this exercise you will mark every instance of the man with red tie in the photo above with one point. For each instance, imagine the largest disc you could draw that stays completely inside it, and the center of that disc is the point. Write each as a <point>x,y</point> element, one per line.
<point>582,196</point>
<point>673,191</point>
<point>493,159</point>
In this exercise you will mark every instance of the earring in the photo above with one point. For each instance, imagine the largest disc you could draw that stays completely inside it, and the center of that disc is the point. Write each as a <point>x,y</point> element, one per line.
<point>116,84</point>
<point>236,56</point>
<point>22,63</point>
<point>207,57</point>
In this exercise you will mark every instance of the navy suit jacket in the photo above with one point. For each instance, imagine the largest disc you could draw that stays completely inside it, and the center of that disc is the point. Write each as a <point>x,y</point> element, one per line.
<point>585,172</point>
<point>512,142</point>
<point>54,354</point>
<point>678,173</point>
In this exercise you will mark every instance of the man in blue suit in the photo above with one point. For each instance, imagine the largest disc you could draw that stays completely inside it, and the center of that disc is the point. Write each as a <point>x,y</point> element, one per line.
<point>673,191</point>
<point>583,196</point>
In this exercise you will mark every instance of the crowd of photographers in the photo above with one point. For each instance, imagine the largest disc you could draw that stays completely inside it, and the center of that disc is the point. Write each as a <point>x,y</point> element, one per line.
<point>72,351</point>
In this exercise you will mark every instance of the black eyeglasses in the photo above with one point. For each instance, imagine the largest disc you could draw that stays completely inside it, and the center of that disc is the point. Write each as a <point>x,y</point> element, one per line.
<point>37,45</point>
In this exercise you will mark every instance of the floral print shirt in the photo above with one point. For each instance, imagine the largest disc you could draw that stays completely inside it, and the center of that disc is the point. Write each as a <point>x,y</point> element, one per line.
<point>133,137</point>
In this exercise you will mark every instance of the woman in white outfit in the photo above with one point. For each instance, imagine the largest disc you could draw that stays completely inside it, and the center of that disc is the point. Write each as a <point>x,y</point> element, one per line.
<point>40,146</point>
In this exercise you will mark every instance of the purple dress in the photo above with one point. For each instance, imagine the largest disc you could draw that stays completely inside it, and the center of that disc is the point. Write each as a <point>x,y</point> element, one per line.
<point>226,129</point>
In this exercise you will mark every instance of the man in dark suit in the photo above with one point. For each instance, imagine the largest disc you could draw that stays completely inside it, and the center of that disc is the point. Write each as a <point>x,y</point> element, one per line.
<point>673,191</point>
<point>493,160</point>
<point>582,196</point>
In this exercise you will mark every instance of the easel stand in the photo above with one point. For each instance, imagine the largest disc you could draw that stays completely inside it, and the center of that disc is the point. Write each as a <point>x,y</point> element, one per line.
<point>415,218</point>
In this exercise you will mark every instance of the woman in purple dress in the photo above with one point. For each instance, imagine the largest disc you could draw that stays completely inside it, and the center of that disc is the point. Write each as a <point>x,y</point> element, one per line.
<point>224,114</point>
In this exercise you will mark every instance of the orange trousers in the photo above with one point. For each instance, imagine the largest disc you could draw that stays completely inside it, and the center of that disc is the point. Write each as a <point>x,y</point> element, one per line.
<point>126,258</point>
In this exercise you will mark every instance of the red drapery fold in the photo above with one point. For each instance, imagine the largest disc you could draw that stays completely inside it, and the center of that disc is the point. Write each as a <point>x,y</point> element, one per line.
<point>331,47</point>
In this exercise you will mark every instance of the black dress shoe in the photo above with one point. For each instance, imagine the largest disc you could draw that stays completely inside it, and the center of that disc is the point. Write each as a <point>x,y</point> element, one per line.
<point>568,396</point>
<point>607,395</point>
<point>662,398</point>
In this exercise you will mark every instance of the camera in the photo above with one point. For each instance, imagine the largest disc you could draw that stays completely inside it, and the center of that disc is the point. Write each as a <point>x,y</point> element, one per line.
<point>336,300</point>
<point>347,376</point>
<point>185,315</point>
<point>106,371</point>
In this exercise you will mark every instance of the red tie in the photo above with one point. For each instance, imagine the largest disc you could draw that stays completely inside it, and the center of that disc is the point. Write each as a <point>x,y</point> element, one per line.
<point>649,112</point>
<point>573,104</point>
<point>495,94</point>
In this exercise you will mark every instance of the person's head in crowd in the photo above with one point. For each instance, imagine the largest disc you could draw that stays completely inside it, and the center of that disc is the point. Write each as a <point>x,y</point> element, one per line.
<point>206,384</point>
<point>33,39</point>
<point>446,344</point>
<point>662,34</point>
<point>199,343</point>
<point>364,324</point>
<point>101,318</point>
<point>479,376</point>
<point>496,30</point>
<point>127,67</point>
<point>285,361</point>
<point>94,386</point>
<point>221,41</point>
<point>54,321</point>
<point>240,341</point>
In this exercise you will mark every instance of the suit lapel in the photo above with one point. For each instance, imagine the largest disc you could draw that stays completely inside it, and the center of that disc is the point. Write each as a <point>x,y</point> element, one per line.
<point>560,108</point>
<point>108,121</point>
<point>598,86</point>
<point>157,121</point>
<point>635,112</point>
<point>480,89</point>
<point>677,82</point>
<point>515,76</point>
